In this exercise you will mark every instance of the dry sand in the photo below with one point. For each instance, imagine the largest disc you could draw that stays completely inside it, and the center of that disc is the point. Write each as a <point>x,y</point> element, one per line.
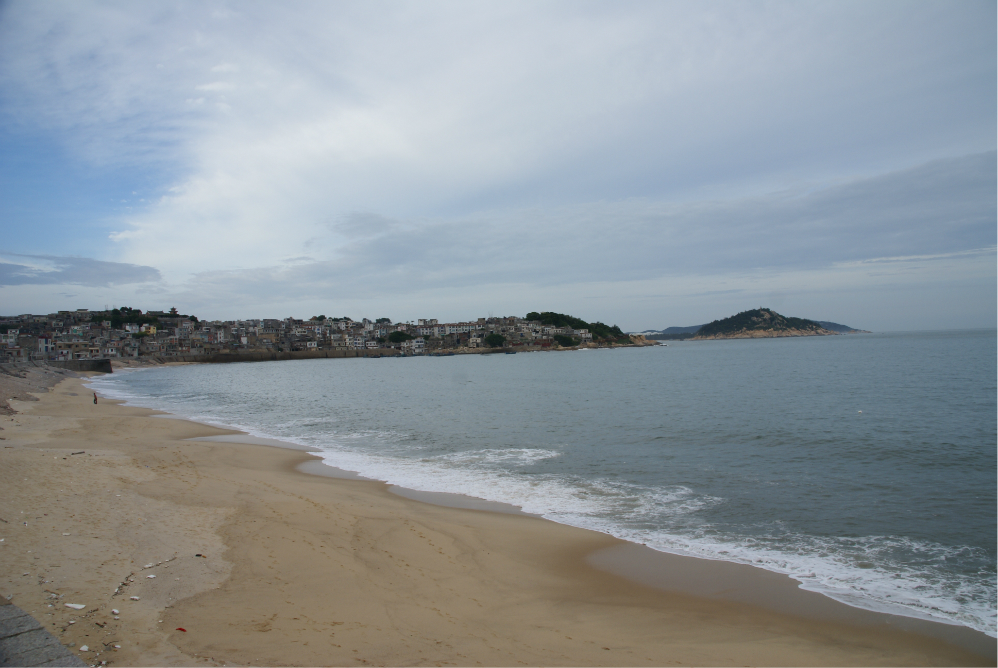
<point>308,570</point>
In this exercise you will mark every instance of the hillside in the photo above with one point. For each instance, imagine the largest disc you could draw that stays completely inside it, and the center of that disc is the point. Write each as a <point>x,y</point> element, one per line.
<point>760,323</point>
<point>601,333</point>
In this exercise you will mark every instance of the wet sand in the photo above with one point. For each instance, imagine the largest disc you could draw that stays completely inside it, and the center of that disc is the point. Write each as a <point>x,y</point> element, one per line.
<point>304,569</point>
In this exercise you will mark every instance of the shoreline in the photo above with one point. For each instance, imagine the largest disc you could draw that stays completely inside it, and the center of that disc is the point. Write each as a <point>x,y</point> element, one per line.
<point>796,598</point>
<point>404,581</point>
<point>668,571</point>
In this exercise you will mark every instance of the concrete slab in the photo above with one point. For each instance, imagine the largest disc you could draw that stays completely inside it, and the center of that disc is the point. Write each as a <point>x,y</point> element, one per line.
<point>23,642</point>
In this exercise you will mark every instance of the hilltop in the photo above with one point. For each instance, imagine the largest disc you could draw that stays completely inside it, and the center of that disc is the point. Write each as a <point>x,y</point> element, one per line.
<point>758,324</point>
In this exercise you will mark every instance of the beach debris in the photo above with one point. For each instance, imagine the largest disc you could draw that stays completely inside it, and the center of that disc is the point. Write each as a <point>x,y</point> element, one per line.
<point>150,576</point>
<point>114,611</point>
<point>203,556</point>
<point>148,565</point>
<point>182,629</point>
<point>72,621</point>
<point>65,534</point>
<point>75,606</point>
<point>81,452</point>
<point>84,648</point>
<point>134,598</point>
<point>117,646</point>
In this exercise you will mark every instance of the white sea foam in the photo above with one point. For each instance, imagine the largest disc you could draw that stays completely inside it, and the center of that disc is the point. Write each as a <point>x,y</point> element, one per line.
<point>858,571</point>
<point>837,567</point>
<point>509,456</point>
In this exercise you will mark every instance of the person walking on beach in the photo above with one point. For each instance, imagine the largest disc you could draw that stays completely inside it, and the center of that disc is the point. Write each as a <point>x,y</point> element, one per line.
<point>95,398</point>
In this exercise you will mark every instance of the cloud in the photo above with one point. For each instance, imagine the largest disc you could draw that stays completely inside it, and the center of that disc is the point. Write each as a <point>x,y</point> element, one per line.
<point>433,107</point>
<point>888,229</point>
<point>51,270</point>
<point>216,86</point>
<point>405,148</point>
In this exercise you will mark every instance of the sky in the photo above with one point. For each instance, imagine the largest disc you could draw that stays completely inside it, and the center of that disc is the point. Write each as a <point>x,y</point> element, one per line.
<point>646,164</point>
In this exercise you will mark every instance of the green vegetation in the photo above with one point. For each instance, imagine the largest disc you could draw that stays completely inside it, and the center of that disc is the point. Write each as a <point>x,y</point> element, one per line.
<point>760,319</point>
<point>565,341</point>
<point>125,315</point>
<point>383,320</point>
<point>399,337</point>
<point>599,331</point>
<point>319,318</point>
<point>495,340</point>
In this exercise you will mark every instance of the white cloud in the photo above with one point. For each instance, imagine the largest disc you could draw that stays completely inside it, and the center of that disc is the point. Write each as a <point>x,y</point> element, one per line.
<point>412,146</point>
<point>216,86</point>
<point>18,269</point>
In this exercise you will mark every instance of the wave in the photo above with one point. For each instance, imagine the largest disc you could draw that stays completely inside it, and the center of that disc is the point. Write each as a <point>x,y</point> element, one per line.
<point>893,574</point>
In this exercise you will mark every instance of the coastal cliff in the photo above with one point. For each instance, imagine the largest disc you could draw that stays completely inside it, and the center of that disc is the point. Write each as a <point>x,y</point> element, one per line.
<point>761,323</point>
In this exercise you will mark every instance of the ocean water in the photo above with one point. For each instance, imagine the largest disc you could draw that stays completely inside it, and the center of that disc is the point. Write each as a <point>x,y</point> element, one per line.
<point>864,466</point>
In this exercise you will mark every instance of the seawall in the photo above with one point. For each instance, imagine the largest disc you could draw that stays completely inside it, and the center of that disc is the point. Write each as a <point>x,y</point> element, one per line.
<point>222,358</point>
<point>101,366</point>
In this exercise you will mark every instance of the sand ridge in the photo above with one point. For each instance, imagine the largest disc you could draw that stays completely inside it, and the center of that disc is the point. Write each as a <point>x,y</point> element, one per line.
<point>308,570</point>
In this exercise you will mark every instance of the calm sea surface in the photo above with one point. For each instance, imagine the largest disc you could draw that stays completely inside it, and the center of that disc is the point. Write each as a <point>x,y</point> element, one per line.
<point>862,465</point>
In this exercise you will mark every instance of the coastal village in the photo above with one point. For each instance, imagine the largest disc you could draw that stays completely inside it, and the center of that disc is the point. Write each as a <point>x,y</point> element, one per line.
<point>129,333</point>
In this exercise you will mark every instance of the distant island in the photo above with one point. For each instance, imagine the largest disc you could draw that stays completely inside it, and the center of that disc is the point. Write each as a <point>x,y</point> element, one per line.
<point>754,324</point>
<point>760,323</point>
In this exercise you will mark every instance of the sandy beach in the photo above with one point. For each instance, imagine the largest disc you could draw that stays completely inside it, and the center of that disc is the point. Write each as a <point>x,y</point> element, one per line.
<point>259,563</point>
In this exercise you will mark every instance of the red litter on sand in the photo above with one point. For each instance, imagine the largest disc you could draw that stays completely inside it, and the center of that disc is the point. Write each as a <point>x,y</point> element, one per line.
<point>180,629</point>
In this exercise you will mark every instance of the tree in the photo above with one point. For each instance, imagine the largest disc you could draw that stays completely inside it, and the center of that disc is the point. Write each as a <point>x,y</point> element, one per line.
<point>565,341</point>
<point>495,340</point>
<point>399,337</point>
<point>123,315</point>
<point>383,320</point>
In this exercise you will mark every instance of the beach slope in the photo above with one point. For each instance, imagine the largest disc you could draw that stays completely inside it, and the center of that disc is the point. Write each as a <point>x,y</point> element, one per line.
<point>299,569</point>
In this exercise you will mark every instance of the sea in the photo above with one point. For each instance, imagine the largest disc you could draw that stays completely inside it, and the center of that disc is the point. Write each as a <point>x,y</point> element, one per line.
<point>861,465</point>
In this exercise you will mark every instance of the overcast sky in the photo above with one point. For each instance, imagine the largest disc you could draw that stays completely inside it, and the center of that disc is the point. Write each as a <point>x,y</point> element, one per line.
<point>648,164</point>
